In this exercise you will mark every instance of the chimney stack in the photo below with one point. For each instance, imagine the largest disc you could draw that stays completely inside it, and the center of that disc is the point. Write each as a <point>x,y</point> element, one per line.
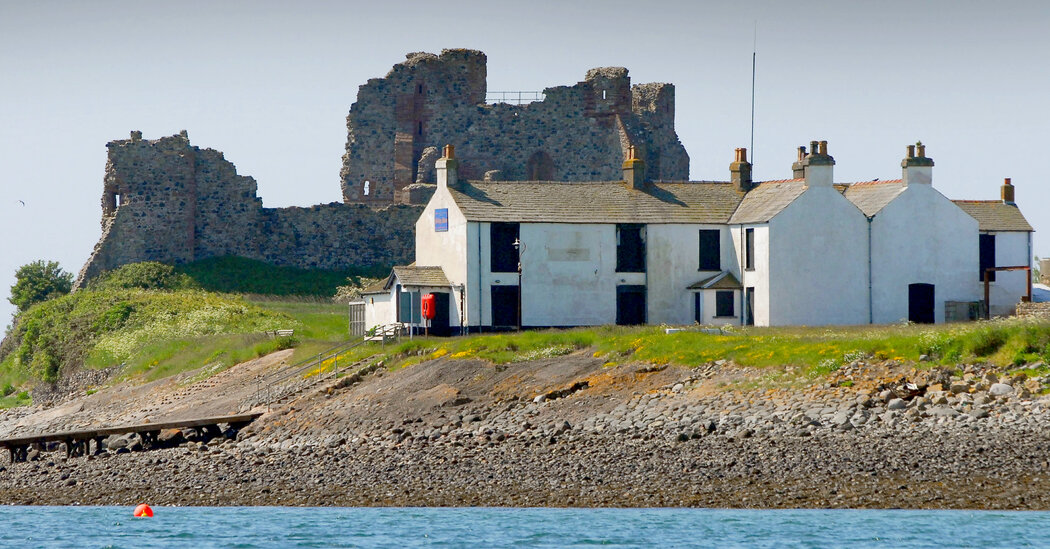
<point>798,170</point>
<point>818,166</point>
<point>446,168</point>
<point>740,172</point>
<point>1008,192</point>
<point>918,169</point>
<point>634,170</point>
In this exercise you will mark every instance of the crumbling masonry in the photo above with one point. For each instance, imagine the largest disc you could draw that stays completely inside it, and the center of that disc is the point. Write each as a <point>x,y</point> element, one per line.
<point>576,133</point>
<point>166,200</point>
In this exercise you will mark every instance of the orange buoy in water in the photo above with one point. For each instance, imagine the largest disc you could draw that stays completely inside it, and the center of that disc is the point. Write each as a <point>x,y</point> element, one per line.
<point>143,511</point>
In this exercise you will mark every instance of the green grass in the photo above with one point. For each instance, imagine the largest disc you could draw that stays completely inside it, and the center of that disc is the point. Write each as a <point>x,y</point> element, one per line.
<point>215,353</point>
<point>815,352</point>
<point>15,400</point>
<point>248,276</point>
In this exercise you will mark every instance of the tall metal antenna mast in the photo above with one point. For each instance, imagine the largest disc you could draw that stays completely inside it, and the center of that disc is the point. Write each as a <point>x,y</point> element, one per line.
<point>754,56</point>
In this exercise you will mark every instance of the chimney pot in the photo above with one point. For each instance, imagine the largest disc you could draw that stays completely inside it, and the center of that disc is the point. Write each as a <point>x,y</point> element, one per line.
<point>824,148</point>
<point>920,149</point>
<point>634,169</point>
<point>801,153</point>
<point>813,147</point>
<point>740,171</point>
<point>450,151</point>
<point>911,151</point>
<point>1008,192</point>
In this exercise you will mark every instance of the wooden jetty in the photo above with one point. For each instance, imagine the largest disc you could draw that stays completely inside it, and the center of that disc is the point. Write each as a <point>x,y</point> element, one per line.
<point>78,443</point>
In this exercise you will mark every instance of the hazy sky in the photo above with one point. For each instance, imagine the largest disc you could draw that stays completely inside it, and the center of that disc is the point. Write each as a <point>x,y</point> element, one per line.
<point>270,84</point>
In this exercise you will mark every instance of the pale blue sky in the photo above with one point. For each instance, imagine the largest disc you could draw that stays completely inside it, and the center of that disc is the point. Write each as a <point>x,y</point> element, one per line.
<point>270,83</point>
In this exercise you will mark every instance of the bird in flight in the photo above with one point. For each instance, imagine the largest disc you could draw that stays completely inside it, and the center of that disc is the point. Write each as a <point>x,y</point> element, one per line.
<point>23,202</point>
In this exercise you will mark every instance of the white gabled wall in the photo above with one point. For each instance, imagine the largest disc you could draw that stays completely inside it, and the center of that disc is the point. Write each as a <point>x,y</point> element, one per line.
<point>921,237</point>
<point>1011,250</point>
<point>758,277</point>
<point>673,261</point>
<point>445,249</point>
<point>818,261</point>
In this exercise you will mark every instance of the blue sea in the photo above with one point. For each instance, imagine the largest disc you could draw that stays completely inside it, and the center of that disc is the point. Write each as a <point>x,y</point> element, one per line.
<point>247,527</point>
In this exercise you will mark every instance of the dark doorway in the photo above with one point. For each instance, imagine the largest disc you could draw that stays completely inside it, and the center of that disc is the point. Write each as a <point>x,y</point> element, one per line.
<point>504,306</point>
<point>987,256</point>
<point>540,167</point>
<point>440,325</point>
<point>630,305</point>
<point>749,306</point>
<point>920,303</point>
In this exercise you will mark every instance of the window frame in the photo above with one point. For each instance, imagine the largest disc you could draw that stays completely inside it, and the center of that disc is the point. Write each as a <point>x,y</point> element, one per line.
<point>719,304</point>
<point>716,265</point>
<point>749,249</point>
<point>635,262</point>
<point>503,258</point>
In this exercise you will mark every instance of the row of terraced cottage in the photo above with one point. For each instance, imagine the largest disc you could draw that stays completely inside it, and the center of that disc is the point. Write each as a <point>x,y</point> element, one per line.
<point>802,251</point>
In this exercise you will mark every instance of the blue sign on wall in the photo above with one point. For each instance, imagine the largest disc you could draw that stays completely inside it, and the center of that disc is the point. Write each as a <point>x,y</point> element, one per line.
<point>441,220</point>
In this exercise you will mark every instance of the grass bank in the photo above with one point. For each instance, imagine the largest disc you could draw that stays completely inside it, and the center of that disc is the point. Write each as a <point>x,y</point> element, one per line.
<point>814,352</point>
<point>154,322</point>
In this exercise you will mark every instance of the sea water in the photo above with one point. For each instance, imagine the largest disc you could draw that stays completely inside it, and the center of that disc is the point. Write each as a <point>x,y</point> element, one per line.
<point>245,527</point>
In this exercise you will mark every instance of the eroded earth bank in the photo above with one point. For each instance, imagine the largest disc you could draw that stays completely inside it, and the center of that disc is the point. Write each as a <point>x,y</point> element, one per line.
<point>565,431</point>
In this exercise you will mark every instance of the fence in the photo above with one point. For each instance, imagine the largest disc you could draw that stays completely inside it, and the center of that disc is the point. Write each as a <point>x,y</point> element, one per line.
<point>514,97</point>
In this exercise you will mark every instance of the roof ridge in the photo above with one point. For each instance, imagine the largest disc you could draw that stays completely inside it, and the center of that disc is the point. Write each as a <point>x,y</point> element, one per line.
<point>873,182</point>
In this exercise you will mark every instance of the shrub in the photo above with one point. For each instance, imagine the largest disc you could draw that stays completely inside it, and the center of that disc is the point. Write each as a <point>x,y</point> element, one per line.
<point>37,282</point>
<point>148,275</point>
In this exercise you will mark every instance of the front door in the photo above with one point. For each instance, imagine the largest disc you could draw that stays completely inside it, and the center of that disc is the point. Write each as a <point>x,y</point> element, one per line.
<point>440,325</point>
<point>504,306</point>
<point>920,303</point>
<point>630,305</point>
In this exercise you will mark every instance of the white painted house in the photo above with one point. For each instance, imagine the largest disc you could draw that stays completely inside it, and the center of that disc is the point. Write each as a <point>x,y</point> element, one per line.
<point>804,251</point>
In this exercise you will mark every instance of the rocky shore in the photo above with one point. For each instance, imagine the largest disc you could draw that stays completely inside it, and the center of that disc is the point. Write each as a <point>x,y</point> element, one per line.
<point>572,432</point>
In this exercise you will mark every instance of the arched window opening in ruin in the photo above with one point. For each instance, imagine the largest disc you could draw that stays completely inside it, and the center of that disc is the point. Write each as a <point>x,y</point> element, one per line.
<point>366,188</point>
<point>603,94</point>
<point>419,128</point>
<point>540,167</point>
<point>419,89</point>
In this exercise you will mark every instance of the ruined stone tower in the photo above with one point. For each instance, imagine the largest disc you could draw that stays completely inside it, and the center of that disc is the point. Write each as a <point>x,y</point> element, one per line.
<point>166,200</point>
<point>576,133</point>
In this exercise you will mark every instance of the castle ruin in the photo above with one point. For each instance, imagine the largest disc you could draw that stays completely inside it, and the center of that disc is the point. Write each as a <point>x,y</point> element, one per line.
<point>166,200</point>
<point>575,133</point>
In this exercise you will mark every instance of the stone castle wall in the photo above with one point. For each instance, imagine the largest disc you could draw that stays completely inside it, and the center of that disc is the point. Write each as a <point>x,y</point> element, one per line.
<point>576,133</point>
<point>166,200</point>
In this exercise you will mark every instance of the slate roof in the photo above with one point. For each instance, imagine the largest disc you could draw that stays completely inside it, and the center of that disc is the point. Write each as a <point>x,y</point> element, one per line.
<point>596,202</point>
<point>419,276</point>
<point>721,281</point>
<point>409,275</point>
<point>872,196</point>
<point>767,199</point>
<point>376,288</point>
<point>993,215</point>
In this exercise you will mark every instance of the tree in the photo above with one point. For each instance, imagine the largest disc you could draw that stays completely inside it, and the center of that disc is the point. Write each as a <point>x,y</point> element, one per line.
<point>39,281</point>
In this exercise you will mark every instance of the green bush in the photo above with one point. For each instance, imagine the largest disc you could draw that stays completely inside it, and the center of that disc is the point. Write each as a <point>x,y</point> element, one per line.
<point>37,282</point>
<point>7,390</point>
<point>148,275</point>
